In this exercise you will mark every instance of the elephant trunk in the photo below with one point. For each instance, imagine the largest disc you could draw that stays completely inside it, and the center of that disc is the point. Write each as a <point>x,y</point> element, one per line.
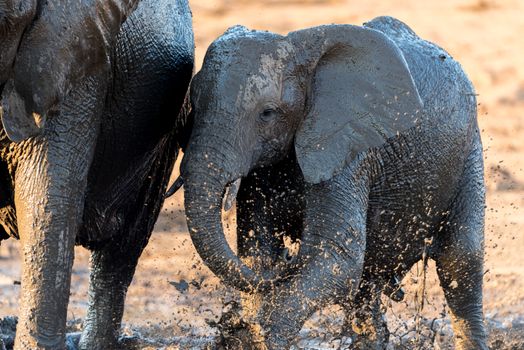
<point>205,182</point>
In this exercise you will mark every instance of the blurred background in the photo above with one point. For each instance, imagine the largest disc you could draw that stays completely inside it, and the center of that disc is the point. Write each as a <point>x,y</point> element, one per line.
<point>173,295</point>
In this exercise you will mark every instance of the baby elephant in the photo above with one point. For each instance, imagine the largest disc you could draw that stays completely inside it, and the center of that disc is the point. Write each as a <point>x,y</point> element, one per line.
<point>360,141</point>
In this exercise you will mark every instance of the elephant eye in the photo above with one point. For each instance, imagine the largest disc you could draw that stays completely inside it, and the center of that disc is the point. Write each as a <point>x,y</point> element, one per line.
<point>268,115</point>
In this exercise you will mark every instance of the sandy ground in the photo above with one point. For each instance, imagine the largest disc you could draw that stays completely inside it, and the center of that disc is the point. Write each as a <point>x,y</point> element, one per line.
<point>486,37</point>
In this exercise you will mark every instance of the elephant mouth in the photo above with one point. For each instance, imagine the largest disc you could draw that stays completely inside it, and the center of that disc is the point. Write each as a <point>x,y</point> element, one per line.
<point>228,199</point>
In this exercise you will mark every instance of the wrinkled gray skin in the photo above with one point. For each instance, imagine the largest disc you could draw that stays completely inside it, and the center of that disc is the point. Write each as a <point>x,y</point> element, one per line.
<point>90,94</point>
<point>363,143</point>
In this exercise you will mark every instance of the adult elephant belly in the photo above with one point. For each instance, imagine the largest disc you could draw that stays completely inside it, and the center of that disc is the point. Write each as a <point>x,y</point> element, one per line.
<point>136,146</point>
<point>408,200</point>
<point>125,198</point>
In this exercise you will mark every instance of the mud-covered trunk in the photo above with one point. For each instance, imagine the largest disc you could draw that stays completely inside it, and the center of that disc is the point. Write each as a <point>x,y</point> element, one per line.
<point>203,201</point>
<point>205,182</point>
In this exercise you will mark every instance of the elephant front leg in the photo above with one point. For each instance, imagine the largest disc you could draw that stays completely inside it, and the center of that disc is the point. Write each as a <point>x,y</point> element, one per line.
<point>322,282</point>
<point>330,260</point>
<point>50,183</point>
<point>269,206</point>
<point>365,321</point>
<point>49,203</point>
<point>47,252</point>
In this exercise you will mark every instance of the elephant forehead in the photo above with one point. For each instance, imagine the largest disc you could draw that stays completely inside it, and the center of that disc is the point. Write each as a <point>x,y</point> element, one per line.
<point>272,64</point>
<point>265,81</point>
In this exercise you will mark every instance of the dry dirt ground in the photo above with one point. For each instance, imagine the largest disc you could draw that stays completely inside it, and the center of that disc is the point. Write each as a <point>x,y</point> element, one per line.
<point>486,36</point>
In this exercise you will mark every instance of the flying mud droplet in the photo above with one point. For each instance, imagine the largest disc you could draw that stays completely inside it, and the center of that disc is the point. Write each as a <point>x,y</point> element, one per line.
<point>181,286</point>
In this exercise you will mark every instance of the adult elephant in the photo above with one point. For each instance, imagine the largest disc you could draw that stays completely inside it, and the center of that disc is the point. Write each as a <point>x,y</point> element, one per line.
<point>361,141</point>
<point>91,93</point>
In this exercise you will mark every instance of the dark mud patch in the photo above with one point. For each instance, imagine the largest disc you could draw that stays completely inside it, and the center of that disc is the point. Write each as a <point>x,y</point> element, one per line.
<point>505,334</point>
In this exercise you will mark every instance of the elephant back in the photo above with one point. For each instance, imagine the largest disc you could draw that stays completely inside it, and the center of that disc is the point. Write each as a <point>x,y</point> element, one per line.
<point>441,81</point>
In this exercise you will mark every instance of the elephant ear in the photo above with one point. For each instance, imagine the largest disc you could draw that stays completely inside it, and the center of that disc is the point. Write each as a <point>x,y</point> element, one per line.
<point>361,94</point>
<point>68,42</point>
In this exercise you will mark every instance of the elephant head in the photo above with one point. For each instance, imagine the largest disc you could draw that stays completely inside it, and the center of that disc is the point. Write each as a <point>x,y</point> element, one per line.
<point>48,47</point>
<point>330,92</point>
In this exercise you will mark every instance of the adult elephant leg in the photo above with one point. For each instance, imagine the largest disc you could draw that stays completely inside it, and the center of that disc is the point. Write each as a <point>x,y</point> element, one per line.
<point>113,265</point>
<point>50,182</point>
<point>112,270</point>
<point>111,273</point>
<point>460,257</point>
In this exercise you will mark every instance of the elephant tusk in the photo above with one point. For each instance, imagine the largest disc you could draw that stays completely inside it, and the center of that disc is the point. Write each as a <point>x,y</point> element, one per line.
<point>174,187</point>
<point>231,194</point>
<point>394,289</point>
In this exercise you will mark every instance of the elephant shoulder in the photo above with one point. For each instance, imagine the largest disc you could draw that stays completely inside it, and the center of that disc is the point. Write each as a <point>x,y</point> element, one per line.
<point>420,54</point>
<point>412,46</point>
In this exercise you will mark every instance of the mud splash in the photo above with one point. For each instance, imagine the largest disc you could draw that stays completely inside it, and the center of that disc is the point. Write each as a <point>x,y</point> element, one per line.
<point>505,334</point>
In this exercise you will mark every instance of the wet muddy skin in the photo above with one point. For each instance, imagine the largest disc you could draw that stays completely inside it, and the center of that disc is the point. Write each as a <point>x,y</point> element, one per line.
<point>362,143</point>
<point>510,331</point>
<point>91,101</point>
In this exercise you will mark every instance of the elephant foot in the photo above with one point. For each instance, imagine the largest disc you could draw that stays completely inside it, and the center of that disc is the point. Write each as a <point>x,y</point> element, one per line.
<point>72,340</point>
<point>236,333</point>
<point>89,341</point>
<point>7,332</point>
<point>367,331</point>
<point>123,343</point>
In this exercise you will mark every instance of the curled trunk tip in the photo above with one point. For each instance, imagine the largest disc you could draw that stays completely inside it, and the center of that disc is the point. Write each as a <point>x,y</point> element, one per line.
<point>203,201</point>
